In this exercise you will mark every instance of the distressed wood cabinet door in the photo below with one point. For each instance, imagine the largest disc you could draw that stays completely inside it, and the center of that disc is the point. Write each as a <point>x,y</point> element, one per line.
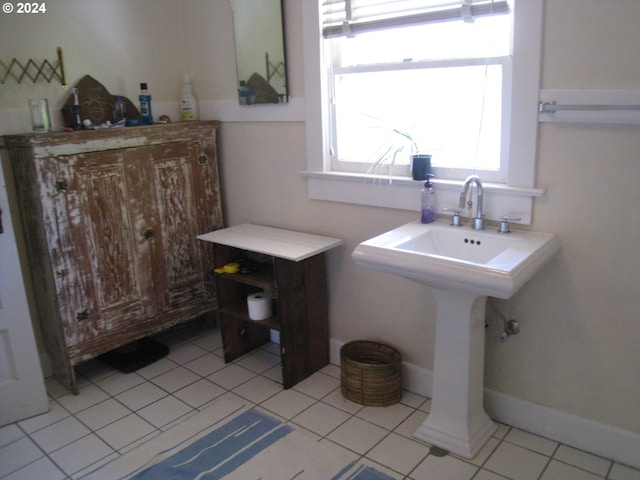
<point>184,177</point>
<point>128,221</point>
<point>102,269</point>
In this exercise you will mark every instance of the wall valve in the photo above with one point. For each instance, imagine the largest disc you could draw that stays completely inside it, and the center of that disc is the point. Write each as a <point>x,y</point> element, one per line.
<point>512,327</point>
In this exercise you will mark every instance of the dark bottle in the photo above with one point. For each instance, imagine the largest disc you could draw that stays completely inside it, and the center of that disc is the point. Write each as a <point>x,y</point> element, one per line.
<point>119,110</point>
<point>145,105</point>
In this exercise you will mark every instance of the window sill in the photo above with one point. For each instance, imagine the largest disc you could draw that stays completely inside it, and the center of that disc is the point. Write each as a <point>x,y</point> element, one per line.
<point>404,194</point>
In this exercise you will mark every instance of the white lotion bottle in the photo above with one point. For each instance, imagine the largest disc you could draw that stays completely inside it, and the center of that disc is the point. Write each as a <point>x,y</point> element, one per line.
<point>189,103</point>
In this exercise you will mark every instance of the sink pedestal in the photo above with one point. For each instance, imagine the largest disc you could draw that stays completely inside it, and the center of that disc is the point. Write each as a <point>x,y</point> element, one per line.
<point>458,422</point>
<point>464,267</point>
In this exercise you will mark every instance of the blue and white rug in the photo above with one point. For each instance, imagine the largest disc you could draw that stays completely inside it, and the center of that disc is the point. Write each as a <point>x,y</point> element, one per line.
<point>234,442</point>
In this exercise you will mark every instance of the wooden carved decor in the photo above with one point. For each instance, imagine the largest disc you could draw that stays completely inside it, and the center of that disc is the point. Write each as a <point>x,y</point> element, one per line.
<point>96,103</point>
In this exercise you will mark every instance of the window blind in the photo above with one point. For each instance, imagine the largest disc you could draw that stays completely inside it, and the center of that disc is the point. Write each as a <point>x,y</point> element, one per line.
<point>351,17</point>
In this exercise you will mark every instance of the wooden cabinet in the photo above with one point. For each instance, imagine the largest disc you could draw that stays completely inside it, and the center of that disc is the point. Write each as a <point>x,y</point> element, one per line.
<point>110,219</point>
<point>291,267</point>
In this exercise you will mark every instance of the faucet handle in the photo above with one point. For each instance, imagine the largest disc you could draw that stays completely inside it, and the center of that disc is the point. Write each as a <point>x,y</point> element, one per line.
<point>504,223</point>
<point>455,219</point>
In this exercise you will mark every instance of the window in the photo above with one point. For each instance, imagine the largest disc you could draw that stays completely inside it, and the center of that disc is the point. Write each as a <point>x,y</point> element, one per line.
<point>435,87</point>
<point>468,98</point>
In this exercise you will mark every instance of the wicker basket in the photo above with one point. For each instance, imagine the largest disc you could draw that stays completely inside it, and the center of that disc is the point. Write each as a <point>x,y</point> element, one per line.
<point>370,373</point>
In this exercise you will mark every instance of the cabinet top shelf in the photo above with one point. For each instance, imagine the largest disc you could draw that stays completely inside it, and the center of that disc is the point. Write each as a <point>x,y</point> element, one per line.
<point>81,141</point>
<point>276,242</point>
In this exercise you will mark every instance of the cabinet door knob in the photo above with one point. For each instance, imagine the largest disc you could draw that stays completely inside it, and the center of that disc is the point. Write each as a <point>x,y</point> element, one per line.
<point>61,186</point>
<point>148,233</point>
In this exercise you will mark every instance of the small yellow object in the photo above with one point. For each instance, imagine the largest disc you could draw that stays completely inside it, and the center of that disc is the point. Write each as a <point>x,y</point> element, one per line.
<point>231,267</point>
<point>219,270</point>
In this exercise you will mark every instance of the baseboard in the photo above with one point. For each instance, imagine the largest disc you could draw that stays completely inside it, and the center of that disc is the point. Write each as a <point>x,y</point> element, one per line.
<point>578,432</point>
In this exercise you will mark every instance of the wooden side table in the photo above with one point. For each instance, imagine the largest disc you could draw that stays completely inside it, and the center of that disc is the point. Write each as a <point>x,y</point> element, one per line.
<point>289,266</point>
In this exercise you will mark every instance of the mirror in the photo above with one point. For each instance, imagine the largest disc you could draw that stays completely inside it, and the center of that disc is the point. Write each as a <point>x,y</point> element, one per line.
<point>260,59</point>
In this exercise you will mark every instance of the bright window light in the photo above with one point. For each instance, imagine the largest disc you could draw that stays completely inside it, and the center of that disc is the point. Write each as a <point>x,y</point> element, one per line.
<point>436,89</point>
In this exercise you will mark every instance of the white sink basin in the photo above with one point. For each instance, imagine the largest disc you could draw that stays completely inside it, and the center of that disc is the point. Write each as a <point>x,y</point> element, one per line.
<point>484,263</point>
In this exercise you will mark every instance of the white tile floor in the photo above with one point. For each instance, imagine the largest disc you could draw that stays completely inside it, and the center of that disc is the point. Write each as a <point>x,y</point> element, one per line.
<point>115,412</point>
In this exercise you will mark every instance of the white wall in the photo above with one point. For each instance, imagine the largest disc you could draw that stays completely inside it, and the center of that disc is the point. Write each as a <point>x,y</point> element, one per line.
<point>578,349</point>
<point>580,353</point>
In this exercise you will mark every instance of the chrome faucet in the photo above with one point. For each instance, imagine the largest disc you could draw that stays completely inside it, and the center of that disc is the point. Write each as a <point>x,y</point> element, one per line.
<point>478,222</point>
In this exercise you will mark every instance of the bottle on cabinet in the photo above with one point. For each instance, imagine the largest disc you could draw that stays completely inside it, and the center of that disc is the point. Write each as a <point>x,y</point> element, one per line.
<point>119,110</point>
<point>146,113</point>
<point>188,103</point>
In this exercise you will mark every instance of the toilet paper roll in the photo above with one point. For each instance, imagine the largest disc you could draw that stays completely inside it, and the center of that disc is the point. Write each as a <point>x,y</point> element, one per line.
<point>259,305</point>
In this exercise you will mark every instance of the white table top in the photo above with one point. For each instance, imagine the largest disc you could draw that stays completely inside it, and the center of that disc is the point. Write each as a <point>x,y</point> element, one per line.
<point>276,242</point>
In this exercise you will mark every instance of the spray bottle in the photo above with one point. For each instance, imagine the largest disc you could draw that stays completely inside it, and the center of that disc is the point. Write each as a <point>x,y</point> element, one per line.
<point>428,199</point>
<point>189,103</point>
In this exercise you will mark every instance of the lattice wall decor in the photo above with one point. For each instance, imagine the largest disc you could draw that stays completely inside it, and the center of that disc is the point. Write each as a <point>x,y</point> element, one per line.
<point>273,69</point>
<point>33,71</point>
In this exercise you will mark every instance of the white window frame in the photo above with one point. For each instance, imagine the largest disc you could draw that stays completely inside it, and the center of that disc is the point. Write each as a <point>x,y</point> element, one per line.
<point>512,198</point>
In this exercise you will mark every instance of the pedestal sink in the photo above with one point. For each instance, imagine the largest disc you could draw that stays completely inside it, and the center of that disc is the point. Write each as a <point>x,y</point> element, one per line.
<point>463,267</point>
